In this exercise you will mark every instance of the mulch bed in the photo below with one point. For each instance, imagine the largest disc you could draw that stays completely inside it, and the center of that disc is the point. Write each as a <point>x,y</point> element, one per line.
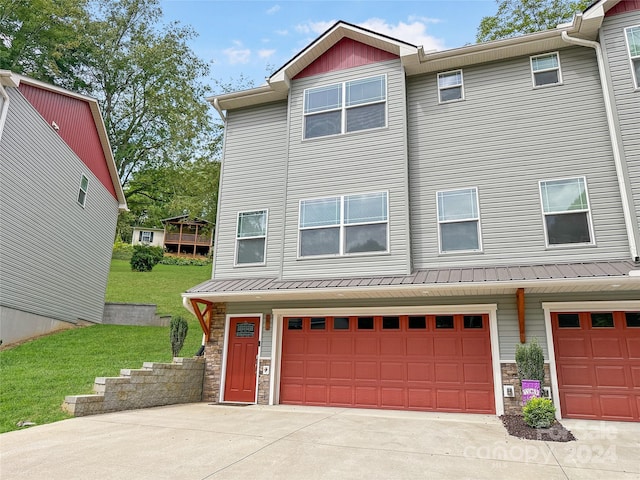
<point>517,427</point>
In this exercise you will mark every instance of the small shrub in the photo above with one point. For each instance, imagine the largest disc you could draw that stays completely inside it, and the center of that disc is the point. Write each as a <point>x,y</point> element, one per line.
<point>539,413</point>
<point>182,261</point>
<point>178,329</point>
<point>122,250</point>
<point>145,258</point>
<point>530,362</point>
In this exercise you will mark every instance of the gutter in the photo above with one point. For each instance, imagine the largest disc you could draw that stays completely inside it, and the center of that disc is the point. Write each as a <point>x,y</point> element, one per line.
<point>615,144</point>
<point>216,105</point>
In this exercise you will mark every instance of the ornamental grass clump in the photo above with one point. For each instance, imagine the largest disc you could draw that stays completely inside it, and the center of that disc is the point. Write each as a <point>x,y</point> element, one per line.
<point>539,413</point>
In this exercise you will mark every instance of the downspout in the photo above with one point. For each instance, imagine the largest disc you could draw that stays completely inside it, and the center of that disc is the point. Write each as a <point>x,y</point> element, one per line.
<point>216,105</point>
<point>615,145</point>
<point>5,108</point>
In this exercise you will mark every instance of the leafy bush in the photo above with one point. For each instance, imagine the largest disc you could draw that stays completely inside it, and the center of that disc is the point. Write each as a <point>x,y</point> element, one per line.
<point>122,250</point>
<point>539,413</point>
<point>185,261</point>
<point>144,258</point>
<point>178,329</point>
<point>530,361</point>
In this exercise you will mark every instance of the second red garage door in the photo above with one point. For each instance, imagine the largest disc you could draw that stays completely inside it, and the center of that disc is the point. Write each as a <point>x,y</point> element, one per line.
<point>422,362</point>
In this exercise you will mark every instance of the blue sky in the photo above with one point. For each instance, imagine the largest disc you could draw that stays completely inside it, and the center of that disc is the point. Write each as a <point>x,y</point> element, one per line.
<point>254,38</point>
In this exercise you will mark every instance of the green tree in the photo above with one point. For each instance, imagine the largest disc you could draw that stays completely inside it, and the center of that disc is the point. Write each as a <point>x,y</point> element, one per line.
<point>517,17</point>
<point>44,39</point>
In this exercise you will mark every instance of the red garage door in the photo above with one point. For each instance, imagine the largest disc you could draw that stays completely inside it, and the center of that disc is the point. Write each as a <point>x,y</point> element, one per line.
<point>427,362</point>
<point>598,364</point>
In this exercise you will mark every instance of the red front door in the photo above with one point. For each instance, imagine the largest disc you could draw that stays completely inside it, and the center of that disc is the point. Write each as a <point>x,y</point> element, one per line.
<point>240,380</point>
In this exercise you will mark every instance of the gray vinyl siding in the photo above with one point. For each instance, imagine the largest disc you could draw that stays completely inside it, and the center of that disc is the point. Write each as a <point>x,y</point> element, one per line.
<point>508,331</point>
<point>504,138</point>
<point>360,162</point>
<point>626,96</point>
<point>54,254</point>
<point>253,178</point>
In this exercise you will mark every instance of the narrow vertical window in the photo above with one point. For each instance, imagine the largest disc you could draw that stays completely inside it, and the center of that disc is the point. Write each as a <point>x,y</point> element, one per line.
<point>251,237</point>
<point>633,45</point>
<point>82,193</point>
<point>565,206</point>
<point>450,86</point>
<point>546,69</point>
<point>459,220</point>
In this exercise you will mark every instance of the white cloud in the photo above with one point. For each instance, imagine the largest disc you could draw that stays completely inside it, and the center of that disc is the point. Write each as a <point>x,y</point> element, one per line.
<point>418,18</point>
<point>414,32</point>
<point>237,54</point>
<point>314,27</point>
<point>282,32</point>
<point>266,53</point>
<point>273,10</point>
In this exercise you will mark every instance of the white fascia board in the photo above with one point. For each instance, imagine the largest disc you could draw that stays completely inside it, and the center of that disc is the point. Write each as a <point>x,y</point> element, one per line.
<point>625,284</point>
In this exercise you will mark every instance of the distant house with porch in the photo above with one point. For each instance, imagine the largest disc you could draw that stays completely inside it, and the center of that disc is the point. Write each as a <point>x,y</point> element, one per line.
<point>148,236</point>
<point>181,235</point>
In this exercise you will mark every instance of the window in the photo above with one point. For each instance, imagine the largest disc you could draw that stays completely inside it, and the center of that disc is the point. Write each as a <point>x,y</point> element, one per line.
<point>633,44</point>
<point>82,194</point>
<point>251,237</point>
<point>343,225</point>
<point>568,320</point>
<point>450,86</point>
<point>565,207</point>
<point>345,107</point>
<point>146,237</point>
<point>546,69</point>
<point>458,220</point>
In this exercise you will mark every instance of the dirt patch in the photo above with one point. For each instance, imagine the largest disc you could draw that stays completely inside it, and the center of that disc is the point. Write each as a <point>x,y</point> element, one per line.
<point>517,427</point>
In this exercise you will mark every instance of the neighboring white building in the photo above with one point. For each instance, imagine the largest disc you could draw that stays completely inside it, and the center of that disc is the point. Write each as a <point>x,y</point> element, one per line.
<point>148,236</point>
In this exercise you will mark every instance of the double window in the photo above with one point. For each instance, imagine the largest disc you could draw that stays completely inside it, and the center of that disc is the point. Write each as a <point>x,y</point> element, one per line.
<point>545,69</point>
<point>82,193</point>
<point>450,86</point>
<point>565,206</point>
<point>344,225</point>
<point>345,107</point>
<point>251,237</point>
<point>633,44</point>
<point>459,220</point>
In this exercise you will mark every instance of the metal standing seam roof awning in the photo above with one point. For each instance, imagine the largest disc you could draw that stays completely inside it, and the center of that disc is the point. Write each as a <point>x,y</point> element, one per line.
<point>494,280</point>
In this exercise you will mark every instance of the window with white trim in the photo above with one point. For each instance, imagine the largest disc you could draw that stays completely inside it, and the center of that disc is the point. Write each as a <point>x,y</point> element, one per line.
<point>345,107</point>
<point>82,192</point>
<point>251,237</point>
<point>633,46</point>
<point>459,220</point>
<point>545,69</point>
<point>146,237</point>
<point>450,87</point>
<point>344,225</point>
<point>565,207</point>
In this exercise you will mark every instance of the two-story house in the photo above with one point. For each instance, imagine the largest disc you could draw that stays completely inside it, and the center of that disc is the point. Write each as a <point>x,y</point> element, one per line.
<point>394,222</point>
<point>59,201</point>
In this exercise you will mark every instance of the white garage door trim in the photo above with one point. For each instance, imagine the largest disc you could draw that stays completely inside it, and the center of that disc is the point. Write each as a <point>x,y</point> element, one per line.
<point>548,307</point>
<point>485,308</point>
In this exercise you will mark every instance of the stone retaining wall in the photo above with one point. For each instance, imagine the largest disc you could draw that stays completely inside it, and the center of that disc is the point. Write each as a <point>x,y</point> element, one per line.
<point>153,385</point>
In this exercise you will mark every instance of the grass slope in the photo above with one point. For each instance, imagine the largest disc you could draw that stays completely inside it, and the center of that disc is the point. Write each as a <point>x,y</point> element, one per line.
<point>37,375</point>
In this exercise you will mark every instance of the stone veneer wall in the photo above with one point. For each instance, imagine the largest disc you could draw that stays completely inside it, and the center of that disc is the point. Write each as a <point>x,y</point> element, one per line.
<point>153,385</point>
<point>213,355</point>
<point>513,406</point>
<point>264,382</point>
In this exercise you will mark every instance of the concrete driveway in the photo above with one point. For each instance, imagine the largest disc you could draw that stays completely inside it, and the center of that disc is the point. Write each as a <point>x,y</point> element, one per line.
<point>202,441</point>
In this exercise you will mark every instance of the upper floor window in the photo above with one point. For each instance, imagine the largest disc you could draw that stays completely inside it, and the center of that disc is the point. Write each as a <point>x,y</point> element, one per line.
<point>344,225</point>
<point>459,220</point>
<point>546,69</point>
<point>633,44</point>
<point>450,86</point>
<point>565,206</point>
<point>251,237</point>
<point>82,193</point>
<point>345,107</point>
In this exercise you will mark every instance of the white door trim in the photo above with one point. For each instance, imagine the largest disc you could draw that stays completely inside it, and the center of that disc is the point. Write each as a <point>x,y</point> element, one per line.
<point>225,352</point>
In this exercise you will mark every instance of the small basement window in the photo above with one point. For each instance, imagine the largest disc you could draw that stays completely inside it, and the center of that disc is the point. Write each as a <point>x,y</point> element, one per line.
<point>545,70</point>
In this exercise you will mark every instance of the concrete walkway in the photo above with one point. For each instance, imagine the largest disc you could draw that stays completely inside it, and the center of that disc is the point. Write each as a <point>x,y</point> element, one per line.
<point>201,441</point>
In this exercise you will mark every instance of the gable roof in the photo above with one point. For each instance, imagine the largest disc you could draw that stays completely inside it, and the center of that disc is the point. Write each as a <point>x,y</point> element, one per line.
<point>107,172</point>
<point>413,58</point>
